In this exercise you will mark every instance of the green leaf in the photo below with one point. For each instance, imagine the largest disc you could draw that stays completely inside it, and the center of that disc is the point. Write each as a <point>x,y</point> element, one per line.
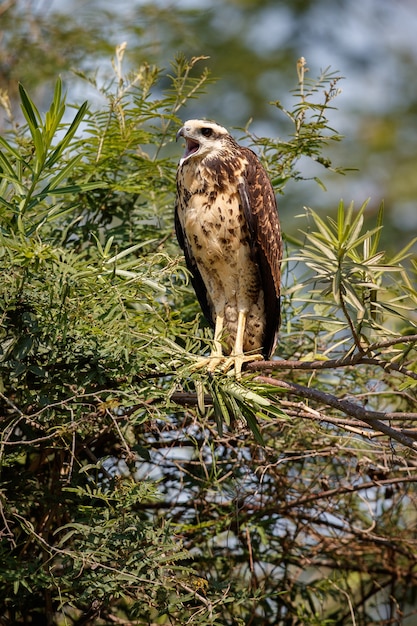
<point>13,151</point>
<point>378,230</point>
<point>66,141</point>
<point>29,110</point>
<point>252,423</point>
<point>323,247</point>
<point>71,189</point>
<point>221,411</point>
<point>127,251</point>
<point>40,149</point>
<point>56,111</point>
<point>62,175</point>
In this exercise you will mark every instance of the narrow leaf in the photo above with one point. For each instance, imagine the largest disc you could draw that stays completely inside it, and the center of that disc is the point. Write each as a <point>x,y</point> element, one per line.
<point>64,143</point>
<point>64,173</point>
<point>321,246</point>
<point>252,423</point>
<point>29,109</point>
<point>129,250</point>
<point>10,149</point>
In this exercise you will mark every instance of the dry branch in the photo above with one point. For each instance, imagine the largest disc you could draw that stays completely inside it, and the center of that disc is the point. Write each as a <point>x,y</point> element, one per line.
<point>372,418</point>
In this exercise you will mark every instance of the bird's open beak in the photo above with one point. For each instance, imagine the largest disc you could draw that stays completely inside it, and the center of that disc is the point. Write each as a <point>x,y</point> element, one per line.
<point>191,146</point>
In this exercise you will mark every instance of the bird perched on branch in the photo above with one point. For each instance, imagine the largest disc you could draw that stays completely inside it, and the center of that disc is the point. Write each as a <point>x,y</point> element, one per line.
<point>227,224</point>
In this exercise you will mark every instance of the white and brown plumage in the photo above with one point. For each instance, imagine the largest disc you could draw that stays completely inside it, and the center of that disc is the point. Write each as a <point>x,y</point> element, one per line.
<point>227,223</point>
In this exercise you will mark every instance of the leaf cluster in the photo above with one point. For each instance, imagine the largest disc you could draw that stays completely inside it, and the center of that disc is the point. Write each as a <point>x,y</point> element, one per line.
<point>354,291</point>
<point>311,133</point>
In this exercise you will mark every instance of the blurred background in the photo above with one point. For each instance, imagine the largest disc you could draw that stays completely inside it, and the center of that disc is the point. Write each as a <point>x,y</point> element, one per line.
<point>253,47</point>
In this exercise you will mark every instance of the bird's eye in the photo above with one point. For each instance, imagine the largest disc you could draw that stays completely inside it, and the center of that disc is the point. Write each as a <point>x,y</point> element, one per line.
<point>207,132</point>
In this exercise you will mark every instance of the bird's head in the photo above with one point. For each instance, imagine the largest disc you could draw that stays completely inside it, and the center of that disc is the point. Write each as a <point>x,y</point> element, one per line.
<point>202,139</point>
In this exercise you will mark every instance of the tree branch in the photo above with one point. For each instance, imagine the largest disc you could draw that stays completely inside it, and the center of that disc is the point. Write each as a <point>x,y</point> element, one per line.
<point>372,418</point>
<point>356,359</point>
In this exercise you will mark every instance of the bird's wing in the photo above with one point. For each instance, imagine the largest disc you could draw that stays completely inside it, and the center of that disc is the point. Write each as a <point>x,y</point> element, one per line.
<point>260,209</point>
<point>196,279</point>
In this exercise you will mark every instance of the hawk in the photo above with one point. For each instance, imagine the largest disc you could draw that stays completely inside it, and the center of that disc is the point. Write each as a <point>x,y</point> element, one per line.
<point>227,224</point>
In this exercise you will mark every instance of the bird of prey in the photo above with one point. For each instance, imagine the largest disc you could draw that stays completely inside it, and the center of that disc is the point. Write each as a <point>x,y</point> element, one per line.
<point>227,224</point>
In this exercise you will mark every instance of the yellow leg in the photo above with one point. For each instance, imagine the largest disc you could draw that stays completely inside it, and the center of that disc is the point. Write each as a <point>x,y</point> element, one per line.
<point>218,330</point>
<point>240,331</point>
<point>216,356</point>
<point>238,358</point>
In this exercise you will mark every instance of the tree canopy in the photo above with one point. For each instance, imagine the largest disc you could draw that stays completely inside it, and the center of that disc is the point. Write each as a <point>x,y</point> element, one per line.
<point>253,48</point>
<point>291,498</point>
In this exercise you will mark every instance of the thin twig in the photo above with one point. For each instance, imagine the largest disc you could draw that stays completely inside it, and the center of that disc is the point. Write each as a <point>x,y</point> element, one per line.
<point>393,342</point>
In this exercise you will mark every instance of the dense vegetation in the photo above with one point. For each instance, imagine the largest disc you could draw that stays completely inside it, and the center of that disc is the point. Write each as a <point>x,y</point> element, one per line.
<point>291,499</point>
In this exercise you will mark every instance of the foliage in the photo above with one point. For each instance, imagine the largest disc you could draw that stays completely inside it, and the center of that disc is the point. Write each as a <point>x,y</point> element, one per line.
<point>311,128</point>
<point>287,501</point>
<point>253,47</point>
